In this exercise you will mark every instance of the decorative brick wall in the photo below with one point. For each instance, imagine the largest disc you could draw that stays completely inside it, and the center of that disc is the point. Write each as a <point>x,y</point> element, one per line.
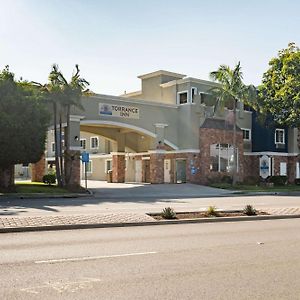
<point>209,136</point>
<point>38,170</point>
<point>118,168</point>
<point>72,169</point>
<point>251,166</point>
<point>157,167</point>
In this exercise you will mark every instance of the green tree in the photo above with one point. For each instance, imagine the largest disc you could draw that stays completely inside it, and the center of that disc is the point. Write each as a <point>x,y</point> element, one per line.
<point>23,125</point>
<point>228,93</point>
<point>279,93</point>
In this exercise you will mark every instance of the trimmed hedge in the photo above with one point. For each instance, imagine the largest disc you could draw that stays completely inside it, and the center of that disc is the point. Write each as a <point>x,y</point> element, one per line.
<point>49,179</point>
<point>279,180</point>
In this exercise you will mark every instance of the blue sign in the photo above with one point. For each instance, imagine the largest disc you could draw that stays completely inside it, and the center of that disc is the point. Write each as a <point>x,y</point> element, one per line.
<point>85,157</point>
<point>193,170</point>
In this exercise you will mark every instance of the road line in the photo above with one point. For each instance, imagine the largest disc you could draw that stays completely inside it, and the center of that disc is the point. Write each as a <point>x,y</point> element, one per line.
<point>60,260</point>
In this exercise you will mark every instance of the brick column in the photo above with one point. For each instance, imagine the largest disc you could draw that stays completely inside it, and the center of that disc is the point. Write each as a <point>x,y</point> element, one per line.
<point>118,167</point>
<point>157,166</point>
<point>38,170</point>
<point>72,169</point>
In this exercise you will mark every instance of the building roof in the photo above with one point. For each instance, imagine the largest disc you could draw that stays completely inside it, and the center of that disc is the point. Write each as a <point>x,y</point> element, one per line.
<point>161,72</point>
<point>218,124</point>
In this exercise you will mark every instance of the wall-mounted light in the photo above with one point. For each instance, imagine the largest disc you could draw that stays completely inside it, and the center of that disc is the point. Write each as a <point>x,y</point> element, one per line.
<point>76,138</point>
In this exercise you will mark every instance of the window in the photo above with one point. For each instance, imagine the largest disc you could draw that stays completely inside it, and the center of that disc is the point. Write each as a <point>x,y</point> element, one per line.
<point>53,147</point>
<point>182,97</point>
<point>246,134</point>
<point>279,136</point>
<point>94,142</point>
<point>297,170</point>
<point>193,94</point>
<point>83,143</point>
<point>222,157</point>
<point>108,165</point>
<point>89,167</point>
<point>283,169</point>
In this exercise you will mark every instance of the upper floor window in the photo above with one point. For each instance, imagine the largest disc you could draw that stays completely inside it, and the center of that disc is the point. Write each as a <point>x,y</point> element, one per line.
<point>83,143</point>
<point>94,142</point>
<point>193,94</point>
<point>279,136</point>
<point>182,97</point>
<point>246,134</point>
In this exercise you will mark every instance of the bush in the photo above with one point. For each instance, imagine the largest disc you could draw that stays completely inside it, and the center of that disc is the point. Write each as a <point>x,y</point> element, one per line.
<point>278,180</point>
<point>168,213</point>
<point>251,180</point>
<point>297,181</point>
<point>249,210</point>
<point>49,179</point>
<point>211,211</point>
<point>226,179</point>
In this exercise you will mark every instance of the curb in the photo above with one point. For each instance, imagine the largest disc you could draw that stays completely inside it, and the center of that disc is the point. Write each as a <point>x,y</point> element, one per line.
<point>151,223</point>
<point>45,196</point>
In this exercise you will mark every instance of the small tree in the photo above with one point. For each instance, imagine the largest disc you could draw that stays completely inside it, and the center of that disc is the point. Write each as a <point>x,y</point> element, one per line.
<point>23,125</point>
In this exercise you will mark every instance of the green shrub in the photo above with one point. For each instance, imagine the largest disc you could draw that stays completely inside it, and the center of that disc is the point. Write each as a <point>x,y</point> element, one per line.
<point>278,180</point>
<point>251,180</point>
<point>49,179</point>
<point>168,213</point>
<point>249,210</point>
<point>297,181</point>
<point>211,211</point>
<point>226,179</point>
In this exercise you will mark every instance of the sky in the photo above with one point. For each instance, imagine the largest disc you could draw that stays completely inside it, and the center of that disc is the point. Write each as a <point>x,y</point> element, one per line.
<point>115,41</point>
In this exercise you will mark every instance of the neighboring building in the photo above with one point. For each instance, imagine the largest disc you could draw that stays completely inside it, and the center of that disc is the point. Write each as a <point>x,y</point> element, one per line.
<point>168,132</point>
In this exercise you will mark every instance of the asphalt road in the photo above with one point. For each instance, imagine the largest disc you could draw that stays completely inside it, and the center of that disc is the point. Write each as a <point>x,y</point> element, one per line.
<point>247,260</point>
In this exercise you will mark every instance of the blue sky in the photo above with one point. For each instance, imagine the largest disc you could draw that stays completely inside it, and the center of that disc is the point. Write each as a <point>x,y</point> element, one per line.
<point>114,41</point>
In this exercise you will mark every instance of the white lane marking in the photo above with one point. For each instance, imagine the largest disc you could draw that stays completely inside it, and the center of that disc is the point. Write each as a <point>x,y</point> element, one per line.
<point>49,261</point>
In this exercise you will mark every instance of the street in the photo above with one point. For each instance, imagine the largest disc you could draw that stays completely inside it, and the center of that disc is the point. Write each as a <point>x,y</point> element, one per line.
<point>244,260</point>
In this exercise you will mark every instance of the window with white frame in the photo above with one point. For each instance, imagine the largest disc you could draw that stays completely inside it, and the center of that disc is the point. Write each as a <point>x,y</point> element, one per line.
<point>193,94</point>
<point>108,165</point>
<point>283,170</point>
<point>94,142</point>
<point>83,143</point>
<point>222,157</point>
<point>246,134</point>
<point>279,136</point>
<point>53,147</point>
<point>182,97</point>
<point>88,167</point>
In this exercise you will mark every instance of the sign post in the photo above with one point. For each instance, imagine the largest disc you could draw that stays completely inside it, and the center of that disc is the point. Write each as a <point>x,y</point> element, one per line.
<point>85,158</point>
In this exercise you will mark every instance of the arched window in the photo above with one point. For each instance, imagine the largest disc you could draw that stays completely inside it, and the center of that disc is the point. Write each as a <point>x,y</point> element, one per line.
<point>221,157</point>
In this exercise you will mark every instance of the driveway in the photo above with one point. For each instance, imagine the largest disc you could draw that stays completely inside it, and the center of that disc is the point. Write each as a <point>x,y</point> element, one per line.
<point>104,190</point>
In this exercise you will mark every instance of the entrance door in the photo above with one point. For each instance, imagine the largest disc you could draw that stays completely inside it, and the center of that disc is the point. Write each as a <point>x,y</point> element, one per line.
<point>180,171</point>
<point>138,171</point>
<point>167,170</point>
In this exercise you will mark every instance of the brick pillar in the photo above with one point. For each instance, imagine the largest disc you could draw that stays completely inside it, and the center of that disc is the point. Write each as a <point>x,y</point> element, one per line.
<point>291,168</point>
<point>38,170</point>
<point>157,166</point>
<point>72,169</point>
<point>118,167</point>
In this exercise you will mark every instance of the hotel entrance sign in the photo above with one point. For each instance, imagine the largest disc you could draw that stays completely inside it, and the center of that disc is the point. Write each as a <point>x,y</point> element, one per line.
<point>264,166</point>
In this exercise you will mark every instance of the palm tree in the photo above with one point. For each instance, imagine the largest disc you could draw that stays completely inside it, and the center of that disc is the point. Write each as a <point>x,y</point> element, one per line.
<point>72,93</point>
<point>231,90</point>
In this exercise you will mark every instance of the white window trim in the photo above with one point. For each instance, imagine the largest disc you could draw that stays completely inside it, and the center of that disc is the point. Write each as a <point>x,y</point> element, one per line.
<point>283,168</point>
<point>85,143</point>
<point>94,137</point>
<point>178,97</point>
<point>91,171</point>
<point>53,147</point>
<point>277,130</point>
<point>250,134</point>
<point>105,167</point>
<point>191,94</point>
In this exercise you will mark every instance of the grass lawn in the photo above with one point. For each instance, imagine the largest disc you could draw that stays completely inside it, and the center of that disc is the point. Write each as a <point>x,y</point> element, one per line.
<point>38,187</point>
<point>254,188</point>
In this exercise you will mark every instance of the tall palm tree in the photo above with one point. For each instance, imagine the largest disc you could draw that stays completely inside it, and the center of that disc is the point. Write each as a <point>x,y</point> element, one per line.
<point>72,93</point>
<point>229,92</point>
